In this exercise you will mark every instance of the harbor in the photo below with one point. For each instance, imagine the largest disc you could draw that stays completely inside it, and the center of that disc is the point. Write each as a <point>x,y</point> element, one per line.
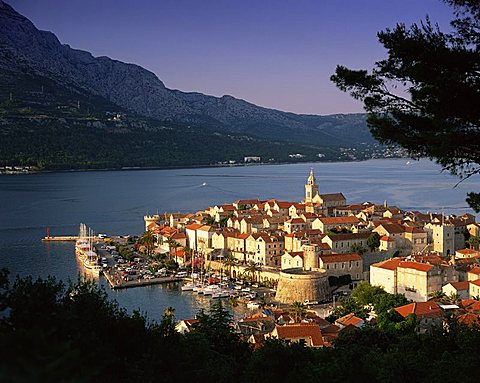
<point>116,281</point>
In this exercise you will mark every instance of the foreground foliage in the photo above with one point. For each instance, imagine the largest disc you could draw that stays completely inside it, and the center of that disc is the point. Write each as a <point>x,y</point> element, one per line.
<point>52,332</point>
<point>425,94</point>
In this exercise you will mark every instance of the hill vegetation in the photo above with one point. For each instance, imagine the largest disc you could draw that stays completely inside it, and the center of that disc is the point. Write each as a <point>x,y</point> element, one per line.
<point>56,105</point>
<point>52,332</point>
<point>56,127</point>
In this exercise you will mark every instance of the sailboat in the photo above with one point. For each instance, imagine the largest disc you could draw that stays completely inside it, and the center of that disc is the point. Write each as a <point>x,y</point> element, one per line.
<point>86,250</point>
<point>191,286</point>
<point>82,245</point>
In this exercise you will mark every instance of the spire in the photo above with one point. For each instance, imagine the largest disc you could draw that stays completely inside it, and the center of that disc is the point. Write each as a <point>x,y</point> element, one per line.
<point>311,178</point>
<point>311,187</point>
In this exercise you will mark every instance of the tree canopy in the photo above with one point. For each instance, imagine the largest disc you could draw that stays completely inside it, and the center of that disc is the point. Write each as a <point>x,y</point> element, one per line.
<point>50,332</point>
<point>425,95</point>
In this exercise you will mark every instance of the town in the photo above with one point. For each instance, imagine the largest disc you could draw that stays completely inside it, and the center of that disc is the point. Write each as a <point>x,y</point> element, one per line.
<point>317,248</point>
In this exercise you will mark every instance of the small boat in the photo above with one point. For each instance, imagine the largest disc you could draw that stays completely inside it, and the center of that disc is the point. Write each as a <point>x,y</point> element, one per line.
<point>188,287</point>
<point>210,290</point>
<point>221,294</point>
<point>253,305</point>
<point>196,287</point>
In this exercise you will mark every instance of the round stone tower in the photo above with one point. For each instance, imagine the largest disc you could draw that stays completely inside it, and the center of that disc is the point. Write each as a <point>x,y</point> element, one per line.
<point>310,259</point>
<point>296,285</point>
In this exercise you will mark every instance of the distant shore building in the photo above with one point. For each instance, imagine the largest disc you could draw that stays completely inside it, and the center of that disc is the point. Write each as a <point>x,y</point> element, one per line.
<point>252,159</point>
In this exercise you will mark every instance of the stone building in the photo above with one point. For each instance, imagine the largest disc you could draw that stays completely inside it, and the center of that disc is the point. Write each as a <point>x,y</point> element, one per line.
<point>342,264</point>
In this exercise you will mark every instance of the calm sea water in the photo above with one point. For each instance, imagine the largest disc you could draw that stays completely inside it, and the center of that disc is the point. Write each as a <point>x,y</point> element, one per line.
<point>114,202</point>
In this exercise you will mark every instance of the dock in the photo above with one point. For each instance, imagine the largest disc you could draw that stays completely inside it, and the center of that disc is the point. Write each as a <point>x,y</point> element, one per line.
<point>66,238</point>
<point>117,283</point>
<point>63,238</point>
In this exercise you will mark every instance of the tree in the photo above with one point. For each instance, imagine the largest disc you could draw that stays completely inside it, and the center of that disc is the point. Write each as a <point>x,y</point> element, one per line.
<point>172,244</point>
<point>297,311</point>
<point>148,241</point>
<point>167,324</point>
<point>373,241</point>
<point>473,242</point>
<point>437,296</point>
<point>424,96</point>
<point>252,269</point>
<point>359,249</point>
<point>229,261</point>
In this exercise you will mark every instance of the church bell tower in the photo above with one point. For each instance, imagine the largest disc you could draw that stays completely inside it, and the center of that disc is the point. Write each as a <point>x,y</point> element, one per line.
<point>311,187</point>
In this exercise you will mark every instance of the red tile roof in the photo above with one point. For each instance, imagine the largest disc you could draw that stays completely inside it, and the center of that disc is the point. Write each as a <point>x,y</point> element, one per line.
<point>388,239</point>
<point>350,319</point>
<point>421,310</point>
<point>246,202</point>
<point>331,258</point>
<point>351,219</point>
<point>389,264</point>
<point>414,230</point>
<point>295,254</point>
<point>460,285</point>
<point>393,228</point>
<point>469,319</point>
<point>331,197</point>
<point>475,270</point>
<point>425,267</point>
<point>295,221</point>
<point>301,330</point>
<point>194,226</point>
<point>348,236</point>
<point>471,304</point>
<point>476,282</point>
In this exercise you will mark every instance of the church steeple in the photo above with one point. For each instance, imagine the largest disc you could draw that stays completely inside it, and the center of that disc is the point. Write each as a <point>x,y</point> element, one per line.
<point>311,188</point>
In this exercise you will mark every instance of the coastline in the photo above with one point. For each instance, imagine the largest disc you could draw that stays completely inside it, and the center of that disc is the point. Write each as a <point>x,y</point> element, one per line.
<point>205,166</point>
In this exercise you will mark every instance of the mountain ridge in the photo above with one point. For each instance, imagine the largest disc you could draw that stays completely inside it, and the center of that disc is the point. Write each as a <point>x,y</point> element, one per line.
<point>25,48</point>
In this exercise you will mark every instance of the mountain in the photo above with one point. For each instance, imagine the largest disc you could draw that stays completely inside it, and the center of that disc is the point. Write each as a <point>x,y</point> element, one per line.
<point>39,74</point>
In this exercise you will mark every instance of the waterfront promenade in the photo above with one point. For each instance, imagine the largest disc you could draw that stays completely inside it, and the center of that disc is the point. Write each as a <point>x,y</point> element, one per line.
<point>116,281</point>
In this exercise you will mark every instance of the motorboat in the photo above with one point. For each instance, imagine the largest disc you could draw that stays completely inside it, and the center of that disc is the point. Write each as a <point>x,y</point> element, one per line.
<point>221,294</point>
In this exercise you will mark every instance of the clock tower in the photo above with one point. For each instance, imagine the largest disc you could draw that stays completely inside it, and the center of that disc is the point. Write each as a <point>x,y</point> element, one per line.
<point>311,187</point>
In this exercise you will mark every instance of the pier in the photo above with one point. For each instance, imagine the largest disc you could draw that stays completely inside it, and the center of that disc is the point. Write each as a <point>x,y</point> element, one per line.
<point>64,238</point>
<point>116,282</point>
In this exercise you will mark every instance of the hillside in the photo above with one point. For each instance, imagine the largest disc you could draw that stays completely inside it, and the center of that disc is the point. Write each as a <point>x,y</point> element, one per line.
<point>55,127</point>
<point>49,91</point>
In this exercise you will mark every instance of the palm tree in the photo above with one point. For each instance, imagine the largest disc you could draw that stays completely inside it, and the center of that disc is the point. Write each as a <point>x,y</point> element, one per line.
<point>172,244</point>
<point>297,311</point>
<point>437,296</point>
<point>454,298</point>
<point>229,261</point>
<point>148,241</point>
<point>252,269</point>
<point>188,254</point>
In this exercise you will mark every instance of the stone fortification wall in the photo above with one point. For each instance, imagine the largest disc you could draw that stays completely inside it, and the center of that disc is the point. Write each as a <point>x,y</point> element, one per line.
<point>296,285</point>
<point>266,273</point>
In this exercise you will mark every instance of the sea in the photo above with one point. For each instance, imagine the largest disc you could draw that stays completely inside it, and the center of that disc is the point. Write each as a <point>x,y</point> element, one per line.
<point>114,202</point>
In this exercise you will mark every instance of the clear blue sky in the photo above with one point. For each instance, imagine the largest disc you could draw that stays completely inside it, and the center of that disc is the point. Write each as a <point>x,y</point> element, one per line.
<point>274,53</point>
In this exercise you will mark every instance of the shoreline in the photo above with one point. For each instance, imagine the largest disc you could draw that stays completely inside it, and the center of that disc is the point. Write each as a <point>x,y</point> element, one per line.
<point>174,167</point>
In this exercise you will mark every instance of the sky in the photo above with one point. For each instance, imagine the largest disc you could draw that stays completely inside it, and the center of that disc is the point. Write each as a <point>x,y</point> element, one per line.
<point>274,53</point>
